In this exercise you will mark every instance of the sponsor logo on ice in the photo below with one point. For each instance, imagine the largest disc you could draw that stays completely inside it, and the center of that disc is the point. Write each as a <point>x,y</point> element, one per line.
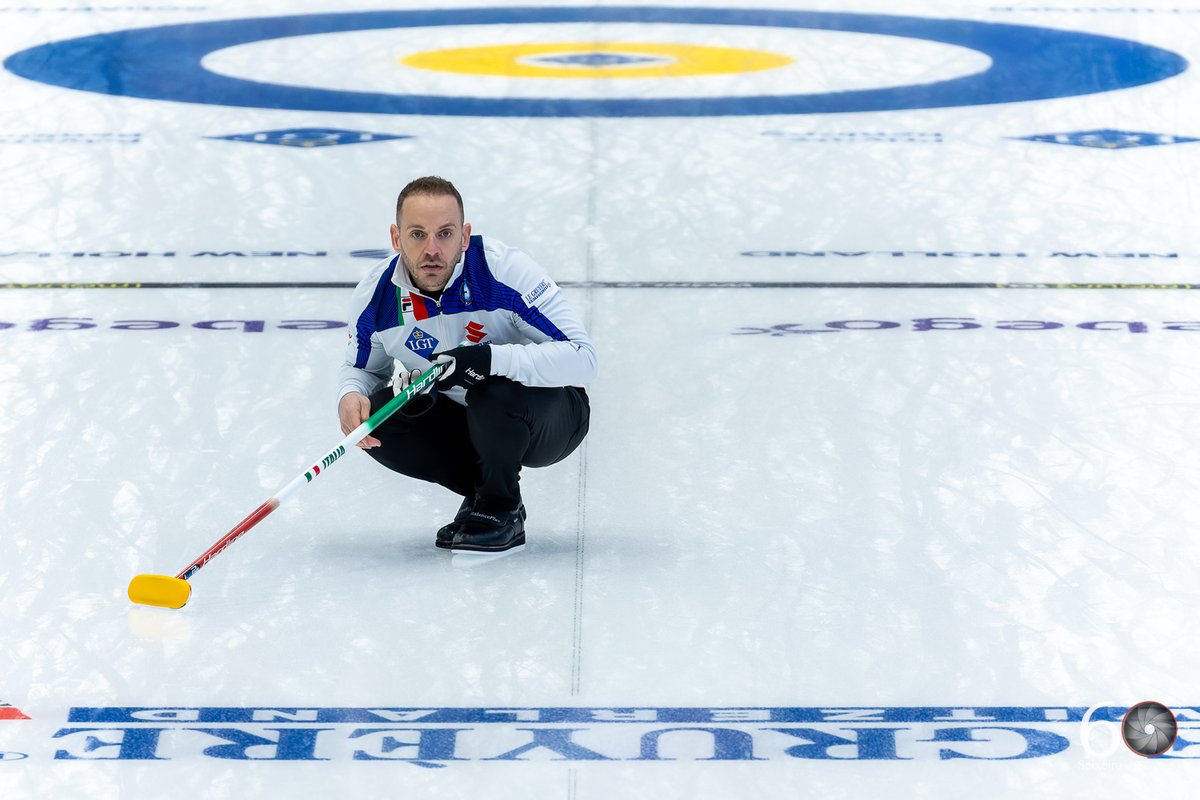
<point>858,137</point>
<point>598,59</point>
<point>70,138</point>
<point>446,737</point>
<point>10,712</point>
<point>310,137</point>
<point>952,254</point>
<point>925,324</point>
<point>1109,139</point>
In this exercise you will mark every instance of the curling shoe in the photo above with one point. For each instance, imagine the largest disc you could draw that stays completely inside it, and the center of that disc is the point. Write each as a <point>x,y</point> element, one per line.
<point>445,534</point>
<point>485,531</point>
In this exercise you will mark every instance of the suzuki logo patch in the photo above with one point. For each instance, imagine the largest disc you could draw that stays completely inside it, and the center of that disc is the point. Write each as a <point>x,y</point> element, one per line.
<point>421,343</point>
<point>475,332</point>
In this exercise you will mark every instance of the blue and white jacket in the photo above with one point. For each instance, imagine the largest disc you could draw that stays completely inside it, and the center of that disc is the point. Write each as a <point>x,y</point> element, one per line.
<point>497,295</point>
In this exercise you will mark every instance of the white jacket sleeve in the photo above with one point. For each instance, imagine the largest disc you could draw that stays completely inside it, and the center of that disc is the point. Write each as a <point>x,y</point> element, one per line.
<point>560,352</point>
<point>365,381</point>
<point>366,367</point>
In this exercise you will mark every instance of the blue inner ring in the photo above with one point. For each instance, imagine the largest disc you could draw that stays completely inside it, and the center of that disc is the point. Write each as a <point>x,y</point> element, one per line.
<point>163,63</point>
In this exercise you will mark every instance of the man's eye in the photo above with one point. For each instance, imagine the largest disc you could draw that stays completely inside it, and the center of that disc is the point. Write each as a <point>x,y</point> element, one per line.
<point>445,234</point>
<point>417,234</point>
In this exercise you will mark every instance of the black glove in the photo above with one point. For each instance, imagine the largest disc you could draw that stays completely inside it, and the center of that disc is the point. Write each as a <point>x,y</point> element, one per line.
<point>468,365</point>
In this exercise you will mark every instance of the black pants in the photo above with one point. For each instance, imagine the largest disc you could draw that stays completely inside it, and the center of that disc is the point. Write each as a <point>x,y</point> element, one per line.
<point>478,451</point>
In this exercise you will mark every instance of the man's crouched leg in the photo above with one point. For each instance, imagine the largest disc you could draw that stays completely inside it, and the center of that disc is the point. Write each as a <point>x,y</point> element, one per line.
<point>512,425</point>
<point>428,440</point>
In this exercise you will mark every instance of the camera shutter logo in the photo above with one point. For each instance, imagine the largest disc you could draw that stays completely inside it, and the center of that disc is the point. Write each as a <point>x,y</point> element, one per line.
<point>1149,729</point>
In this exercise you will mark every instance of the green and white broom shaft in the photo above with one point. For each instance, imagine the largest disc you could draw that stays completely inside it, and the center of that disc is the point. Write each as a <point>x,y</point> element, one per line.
<point>309,475</point>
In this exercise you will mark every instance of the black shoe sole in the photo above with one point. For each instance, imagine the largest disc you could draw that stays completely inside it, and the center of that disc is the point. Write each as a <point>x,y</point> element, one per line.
<point>515,542</point>
<point>447,543</point>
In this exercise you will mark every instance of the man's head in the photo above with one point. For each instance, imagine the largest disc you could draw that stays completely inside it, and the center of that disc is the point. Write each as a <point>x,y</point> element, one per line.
<point>430,232</point>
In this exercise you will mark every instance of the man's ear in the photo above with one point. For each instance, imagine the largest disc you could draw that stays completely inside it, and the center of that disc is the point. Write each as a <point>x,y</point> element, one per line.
<point>466,242</point>
<point>395,231</point>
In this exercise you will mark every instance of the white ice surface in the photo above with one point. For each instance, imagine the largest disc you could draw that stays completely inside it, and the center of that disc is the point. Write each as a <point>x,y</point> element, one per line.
<point>789,497</point>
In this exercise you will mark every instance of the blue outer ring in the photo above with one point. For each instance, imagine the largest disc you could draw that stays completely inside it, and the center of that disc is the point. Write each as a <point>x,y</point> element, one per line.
<point>163,63</point>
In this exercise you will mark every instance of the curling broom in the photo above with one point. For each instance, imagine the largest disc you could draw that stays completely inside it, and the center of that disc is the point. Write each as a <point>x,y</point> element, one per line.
<point>168,592</point>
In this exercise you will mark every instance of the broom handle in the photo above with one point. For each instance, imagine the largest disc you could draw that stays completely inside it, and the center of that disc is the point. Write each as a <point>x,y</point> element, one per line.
<point>309,475</point>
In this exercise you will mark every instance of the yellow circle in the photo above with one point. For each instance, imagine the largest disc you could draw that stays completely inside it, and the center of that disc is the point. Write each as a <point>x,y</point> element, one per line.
<point>596,60</point>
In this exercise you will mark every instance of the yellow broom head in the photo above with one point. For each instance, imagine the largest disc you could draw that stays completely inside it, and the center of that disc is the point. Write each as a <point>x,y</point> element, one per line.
<point>159,590</point>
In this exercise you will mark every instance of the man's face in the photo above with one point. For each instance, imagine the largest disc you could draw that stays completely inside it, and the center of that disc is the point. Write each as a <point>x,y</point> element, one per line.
<point>430,237</point>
